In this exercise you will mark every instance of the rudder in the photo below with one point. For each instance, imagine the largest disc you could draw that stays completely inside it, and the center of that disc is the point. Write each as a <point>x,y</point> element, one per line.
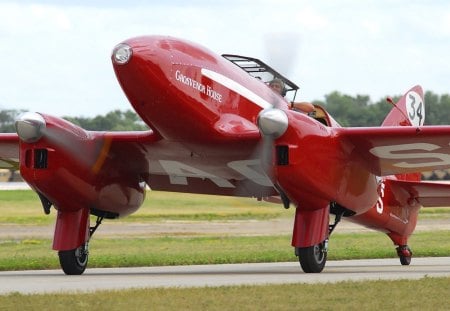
<point>409,110</point>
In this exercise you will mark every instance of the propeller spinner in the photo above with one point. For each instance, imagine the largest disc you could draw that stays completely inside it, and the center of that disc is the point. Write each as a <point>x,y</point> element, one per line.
<point>30,127</point>
<point>272,122</point>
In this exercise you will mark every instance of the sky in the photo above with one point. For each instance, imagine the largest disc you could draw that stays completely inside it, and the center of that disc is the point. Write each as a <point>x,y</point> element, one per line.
<point>55,55</point>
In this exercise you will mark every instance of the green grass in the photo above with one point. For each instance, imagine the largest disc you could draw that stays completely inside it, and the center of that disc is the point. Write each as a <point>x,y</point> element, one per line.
<point>156,251</point>
<point>424,294</point>
<point>24,207</point>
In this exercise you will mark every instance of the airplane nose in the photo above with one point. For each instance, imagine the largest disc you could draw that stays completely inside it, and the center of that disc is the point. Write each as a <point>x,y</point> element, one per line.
<point>30,127</point>
<point>122,54</point>
<point>272,122</point>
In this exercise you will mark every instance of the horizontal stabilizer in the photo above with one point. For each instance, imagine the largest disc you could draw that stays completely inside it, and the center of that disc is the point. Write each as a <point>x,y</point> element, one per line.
<point>427,194</point>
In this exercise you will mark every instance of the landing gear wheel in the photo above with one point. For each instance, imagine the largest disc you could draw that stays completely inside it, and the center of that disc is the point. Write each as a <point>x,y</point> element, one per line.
<point>312,259</point>
<point>405,254</point>
<point>74,262</point>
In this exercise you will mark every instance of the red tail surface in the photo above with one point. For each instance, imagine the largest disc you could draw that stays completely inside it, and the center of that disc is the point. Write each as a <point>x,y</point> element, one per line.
<point>408,111</point>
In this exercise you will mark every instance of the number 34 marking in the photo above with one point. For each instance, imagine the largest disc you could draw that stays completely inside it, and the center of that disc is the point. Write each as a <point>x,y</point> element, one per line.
<point>415,108</point>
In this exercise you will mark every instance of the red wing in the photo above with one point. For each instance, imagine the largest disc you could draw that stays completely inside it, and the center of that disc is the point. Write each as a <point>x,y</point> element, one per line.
<point>427,194</point>
<point>172,166</point>
<point>168,166</point>
<point>9,151</point>
<point>398,150</point>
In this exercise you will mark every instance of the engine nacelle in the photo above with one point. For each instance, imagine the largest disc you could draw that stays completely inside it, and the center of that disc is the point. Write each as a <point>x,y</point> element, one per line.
<point>79,172</point>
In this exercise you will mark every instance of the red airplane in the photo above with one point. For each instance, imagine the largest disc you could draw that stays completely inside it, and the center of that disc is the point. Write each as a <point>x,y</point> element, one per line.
<point>217,128</point>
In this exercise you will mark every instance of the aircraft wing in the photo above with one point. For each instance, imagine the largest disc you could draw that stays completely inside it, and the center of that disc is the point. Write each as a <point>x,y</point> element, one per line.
<point>173,167</point>
<point>426,193</point>
<point>9,151</point>
<point>398,150</point>
<point>163,165</point>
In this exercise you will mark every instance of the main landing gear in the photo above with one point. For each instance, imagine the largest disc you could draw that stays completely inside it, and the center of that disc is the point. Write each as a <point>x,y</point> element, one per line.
<point>74,261</point>
<point>312,259</point>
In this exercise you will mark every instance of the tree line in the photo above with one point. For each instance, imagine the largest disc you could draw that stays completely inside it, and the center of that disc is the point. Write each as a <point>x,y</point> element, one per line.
<point>116,120</point>
<point>360,111</point>
<point>348,110</point>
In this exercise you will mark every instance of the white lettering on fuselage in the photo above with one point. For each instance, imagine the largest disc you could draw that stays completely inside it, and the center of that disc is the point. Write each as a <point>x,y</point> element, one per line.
<point>190,82</point>
<point>207,90</point>
<point>380,203</point>
<point>390,152</point>
<point>236,87</point>
<point>179,172</point>
<point>213,94</point>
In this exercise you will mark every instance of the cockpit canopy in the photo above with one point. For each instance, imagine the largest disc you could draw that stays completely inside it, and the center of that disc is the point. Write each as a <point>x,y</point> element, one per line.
<point>263,72</point>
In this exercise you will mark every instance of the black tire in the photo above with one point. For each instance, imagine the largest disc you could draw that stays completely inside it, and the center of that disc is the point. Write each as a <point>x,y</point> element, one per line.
<point>312,259</point>
<point>405,260</point>
<point>405,254</point>
<point>74,262</point>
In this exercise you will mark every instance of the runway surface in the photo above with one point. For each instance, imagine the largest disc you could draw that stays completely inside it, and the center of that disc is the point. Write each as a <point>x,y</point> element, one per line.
<point>46,281</point>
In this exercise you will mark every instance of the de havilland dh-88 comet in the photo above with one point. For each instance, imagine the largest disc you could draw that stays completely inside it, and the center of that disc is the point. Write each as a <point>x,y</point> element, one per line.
<point>217,127</point>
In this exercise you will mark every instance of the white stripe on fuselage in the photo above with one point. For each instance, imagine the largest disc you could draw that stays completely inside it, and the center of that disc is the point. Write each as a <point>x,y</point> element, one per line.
<point>236,87</point>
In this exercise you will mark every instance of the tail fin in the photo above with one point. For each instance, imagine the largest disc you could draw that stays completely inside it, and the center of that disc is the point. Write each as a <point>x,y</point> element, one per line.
<point>409,110</point>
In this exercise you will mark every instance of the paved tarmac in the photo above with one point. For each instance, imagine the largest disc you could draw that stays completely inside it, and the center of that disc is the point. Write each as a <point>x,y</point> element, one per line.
<point>51,281</point>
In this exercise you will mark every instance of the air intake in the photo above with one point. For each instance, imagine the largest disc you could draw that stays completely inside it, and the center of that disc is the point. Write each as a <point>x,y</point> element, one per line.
<point>40,158</point>
<point>282,152</point>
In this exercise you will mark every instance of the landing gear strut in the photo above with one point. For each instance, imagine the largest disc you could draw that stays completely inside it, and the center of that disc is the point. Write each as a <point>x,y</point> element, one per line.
<point>74,261</point>
<point>405,254</point>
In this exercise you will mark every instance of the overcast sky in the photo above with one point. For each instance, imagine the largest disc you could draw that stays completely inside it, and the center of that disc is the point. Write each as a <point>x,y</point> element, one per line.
<point>55,55</point>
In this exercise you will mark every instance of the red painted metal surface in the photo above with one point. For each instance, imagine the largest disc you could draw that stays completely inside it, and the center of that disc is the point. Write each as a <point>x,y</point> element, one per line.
<point>71,229</point>
<point>310,227</point>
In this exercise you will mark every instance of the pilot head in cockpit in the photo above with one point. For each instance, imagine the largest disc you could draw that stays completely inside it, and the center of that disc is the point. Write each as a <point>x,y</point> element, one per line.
<point>277,85</point>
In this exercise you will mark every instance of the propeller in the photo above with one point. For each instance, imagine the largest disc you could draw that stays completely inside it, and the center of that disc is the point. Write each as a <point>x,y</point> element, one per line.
<point>282,49</point>
<point>272,123</point>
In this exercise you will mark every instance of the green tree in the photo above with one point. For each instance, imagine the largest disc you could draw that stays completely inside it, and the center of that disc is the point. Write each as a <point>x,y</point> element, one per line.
<point>116,120</point>
<point>348,110</point>
<point>7,119</point>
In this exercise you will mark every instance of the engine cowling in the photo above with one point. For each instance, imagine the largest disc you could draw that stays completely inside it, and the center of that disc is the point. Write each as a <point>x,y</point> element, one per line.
<point>79,172</point>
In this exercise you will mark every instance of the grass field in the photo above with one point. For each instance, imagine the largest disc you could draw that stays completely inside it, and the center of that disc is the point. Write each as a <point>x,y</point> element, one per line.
<point>424,294</point>
<point>157,251</point>
<point>23,207</point>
